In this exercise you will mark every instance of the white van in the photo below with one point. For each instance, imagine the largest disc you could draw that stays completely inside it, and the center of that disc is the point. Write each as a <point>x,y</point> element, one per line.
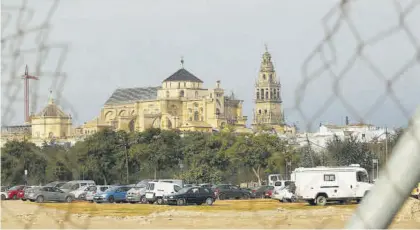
<point>272,178</point>
<point>321,184</point>
<point>155,191</point>
<point>76,184</point>
<point>180,183</point>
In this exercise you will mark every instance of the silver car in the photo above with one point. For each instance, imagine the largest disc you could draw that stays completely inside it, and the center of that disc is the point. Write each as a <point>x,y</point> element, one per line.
<point>43,194</point>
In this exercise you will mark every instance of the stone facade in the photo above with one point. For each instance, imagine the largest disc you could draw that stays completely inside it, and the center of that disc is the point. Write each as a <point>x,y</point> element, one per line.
<point>181,102</point>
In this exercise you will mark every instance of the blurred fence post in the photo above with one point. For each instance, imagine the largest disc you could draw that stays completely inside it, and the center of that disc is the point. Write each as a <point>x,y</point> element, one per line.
<point>398,178</point>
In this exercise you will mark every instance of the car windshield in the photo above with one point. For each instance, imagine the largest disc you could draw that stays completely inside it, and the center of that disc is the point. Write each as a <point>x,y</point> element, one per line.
<point>15,187</point>
<point>138,188</point>
<point>183,190</point>
<point>112,189</point>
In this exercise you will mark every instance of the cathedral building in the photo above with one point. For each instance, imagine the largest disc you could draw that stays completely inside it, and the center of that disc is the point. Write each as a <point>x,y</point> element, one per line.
<point>268,111</point>
<point>180,102</point>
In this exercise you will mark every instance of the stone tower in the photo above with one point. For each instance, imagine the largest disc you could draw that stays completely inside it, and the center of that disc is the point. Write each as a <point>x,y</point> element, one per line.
<point>268,103</point>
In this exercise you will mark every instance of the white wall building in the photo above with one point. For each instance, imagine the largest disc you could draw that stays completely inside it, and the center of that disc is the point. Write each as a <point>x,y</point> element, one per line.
<point>319,140</point>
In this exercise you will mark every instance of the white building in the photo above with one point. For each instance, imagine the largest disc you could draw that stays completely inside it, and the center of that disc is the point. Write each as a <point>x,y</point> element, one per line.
<point>363,132</point>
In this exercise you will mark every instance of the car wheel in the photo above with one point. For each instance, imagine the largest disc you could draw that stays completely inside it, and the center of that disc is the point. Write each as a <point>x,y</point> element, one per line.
<point>132,202</point>
<point>221,197</point>
<point>14,197</point>
<point>159,201</point>
<point>91,201</point>
<point>180,202</point>
<point>111,199</point>
<point>321,200</point>
<point>23,199</point>
<point>209,201</point>
<point>150,202</point>
<point>143,200</point>
<point>3,197</point>
<point>293,199</point>
<point>69,199</point>
<point>40,199</point>
<point>281,201</point>
<point>245,196</point>
<point>32,200</point>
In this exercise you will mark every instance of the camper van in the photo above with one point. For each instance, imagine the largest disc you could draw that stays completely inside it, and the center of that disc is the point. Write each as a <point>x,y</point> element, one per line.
<point>272,178</point>
<point>322,184</point>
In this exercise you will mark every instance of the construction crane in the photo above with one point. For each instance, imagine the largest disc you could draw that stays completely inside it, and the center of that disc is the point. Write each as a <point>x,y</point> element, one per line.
<point>26,78</point>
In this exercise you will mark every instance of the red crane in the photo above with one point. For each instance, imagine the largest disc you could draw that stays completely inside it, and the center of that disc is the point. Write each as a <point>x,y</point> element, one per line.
<point>27,77</point>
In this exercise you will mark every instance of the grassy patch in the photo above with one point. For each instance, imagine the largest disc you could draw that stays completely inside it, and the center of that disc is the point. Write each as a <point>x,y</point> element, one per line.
<point>147,209</point>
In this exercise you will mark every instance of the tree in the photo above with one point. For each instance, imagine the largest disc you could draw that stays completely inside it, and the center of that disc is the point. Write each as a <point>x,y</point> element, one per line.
<point>350,151</point>
<point>18,156</point>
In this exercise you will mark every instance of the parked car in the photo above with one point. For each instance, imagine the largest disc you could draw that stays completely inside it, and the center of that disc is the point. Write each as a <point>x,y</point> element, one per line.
<point>76,184</point>
<point>262,191</point>
<point>3,193</point>
<point>114,194</point>
<point>24,193</point>
<point>44,193</point>
<point>56,184</point>
<point>155,191</point>
<point>206,185</point>
<point>284,195</point>
<point>14,192</point>
<point>193,195</point>
<point>137,194</point>
<point>80,193</point>
<point>416,192</point>
<point>93,190</point>
<point>227,191</point>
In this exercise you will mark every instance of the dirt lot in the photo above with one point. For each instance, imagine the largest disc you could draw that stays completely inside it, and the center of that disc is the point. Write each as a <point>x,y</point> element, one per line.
<point>223,214</point>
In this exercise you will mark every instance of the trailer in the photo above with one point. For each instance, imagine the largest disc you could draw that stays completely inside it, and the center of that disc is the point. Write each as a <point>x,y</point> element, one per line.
<point>321,184</point>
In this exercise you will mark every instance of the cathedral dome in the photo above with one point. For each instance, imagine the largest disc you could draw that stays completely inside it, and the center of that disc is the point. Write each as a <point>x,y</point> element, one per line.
<point>52,110</point>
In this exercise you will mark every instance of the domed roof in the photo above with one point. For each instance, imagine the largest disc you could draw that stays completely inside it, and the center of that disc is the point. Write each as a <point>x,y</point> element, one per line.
<point>52,110</point>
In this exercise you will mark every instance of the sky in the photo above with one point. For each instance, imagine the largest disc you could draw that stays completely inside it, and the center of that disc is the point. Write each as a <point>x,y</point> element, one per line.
<point>129,43</point>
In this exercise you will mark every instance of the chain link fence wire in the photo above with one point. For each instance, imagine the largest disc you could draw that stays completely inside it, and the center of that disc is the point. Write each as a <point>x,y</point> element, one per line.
<point>330,62</point>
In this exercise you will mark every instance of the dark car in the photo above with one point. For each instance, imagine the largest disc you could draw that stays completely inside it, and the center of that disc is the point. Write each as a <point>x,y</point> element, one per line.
<point>262,191</point>
<point>227,191</point>
<point>191,195</point>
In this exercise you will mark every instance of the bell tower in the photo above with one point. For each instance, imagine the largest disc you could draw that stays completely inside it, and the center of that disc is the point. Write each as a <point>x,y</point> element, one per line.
<point>268,103</point>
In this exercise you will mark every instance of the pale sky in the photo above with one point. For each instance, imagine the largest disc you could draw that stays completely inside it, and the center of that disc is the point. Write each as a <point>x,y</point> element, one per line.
<point>138,43</point>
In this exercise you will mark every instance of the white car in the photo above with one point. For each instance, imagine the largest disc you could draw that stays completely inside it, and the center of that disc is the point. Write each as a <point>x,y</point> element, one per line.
<point>93,190</point>
<point>284,195</point>
<point>3,195</point>
<point>80,192</point>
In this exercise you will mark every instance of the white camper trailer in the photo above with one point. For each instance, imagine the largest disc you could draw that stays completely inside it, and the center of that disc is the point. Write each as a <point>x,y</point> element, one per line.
<point>321,184</point>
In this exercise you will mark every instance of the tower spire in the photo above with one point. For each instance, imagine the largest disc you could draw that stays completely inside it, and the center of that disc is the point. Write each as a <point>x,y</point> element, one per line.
<point>182,62</point>
<point>266,47</point>
<point>50,98</point>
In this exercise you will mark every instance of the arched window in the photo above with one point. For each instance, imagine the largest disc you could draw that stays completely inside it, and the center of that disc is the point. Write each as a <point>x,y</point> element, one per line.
<point>196,94</point>
<point>196,115</point>
<point>266,95</point>
<point>258,95</point>
<point>217,111</point>
<point>264,76</point>
<point>271,77</point>
<point>262,93</point>
<point>181,94</point>
<point>278,94</point>
<point>272,94</point>
<point>259,111</point>
<point>167,93</point>
<point>275,93</point>
<point>265,111</point>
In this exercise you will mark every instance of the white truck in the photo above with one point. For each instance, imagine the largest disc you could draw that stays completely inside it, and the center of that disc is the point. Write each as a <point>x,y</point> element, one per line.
<point>322,184</point>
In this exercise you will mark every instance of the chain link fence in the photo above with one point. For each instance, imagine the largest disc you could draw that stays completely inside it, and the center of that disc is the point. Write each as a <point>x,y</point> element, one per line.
<point>325,60</point>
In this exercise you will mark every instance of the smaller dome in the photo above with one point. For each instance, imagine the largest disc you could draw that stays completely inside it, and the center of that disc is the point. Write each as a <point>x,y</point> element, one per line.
<point>53,110</point>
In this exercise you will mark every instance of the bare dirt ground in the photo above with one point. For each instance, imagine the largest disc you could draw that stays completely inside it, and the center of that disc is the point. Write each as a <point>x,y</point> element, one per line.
<point>223,214</point>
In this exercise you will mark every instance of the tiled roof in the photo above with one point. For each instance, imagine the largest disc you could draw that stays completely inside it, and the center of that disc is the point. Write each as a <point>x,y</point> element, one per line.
<point>183,75</point>
<point>52,110</point>
<point>132,94</point>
